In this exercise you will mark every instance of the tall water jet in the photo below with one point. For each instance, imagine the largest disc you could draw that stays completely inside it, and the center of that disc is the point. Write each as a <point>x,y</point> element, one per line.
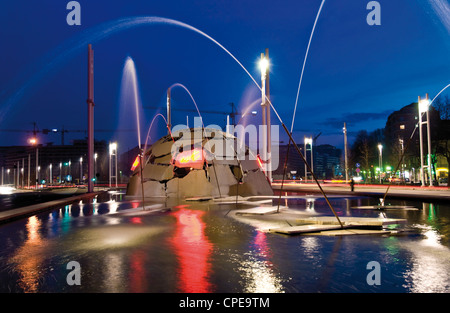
<point>130,79</point>
<point>169,114</point>
<point>130,88</point>
<point>150,128</point>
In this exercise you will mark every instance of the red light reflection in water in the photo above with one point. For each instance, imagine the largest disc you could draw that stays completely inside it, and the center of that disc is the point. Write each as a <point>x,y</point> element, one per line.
<point>260,243</point>
<point>138,275</point>
<point>193,250</point>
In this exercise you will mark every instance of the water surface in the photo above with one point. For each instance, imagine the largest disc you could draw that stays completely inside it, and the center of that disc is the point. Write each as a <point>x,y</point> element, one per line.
<point>199,247</point>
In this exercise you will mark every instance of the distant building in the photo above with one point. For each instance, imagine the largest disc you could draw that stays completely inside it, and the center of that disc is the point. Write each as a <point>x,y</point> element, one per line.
<point>295,166</point>
<point>400,135</point>
<point>66,163</point>
<point>326,159</point>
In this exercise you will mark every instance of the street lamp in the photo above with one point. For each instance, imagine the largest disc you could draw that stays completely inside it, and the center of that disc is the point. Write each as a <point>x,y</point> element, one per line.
<point>380,159</point>
<point>81,169</point>
<point>345,152</point>
<point>308,141</point>
<point>112,154</point>
<point>424,106</point>
<point>95,167</point>
<point>264,66</point>
<point>33,141</point>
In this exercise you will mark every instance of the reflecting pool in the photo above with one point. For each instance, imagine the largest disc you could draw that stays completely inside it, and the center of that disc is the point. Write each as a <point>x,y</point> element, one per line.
<point>181,246</point>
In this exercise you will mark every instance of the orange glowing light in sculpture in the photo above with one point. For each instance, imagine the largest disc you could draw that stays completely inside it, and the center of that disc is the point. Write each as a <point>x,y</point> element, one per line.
<point>192,158</point>
<point>135,163</point>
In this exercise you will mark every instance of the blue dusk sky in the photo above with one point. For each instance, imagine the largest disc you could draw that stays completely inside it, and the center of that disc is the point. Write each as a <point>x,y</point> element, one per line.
<point>355,72</point>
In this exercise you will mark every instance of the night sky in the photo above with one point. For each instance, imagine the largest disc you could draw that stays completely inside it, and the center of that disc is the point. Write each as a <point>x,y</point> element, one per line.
<point>355,73</point>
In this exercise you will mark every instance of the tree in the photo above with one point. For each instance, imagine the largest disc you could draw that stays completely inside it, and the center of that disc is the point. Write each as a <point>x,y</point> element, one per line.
<point>442,141</point>
<point>365,151</point>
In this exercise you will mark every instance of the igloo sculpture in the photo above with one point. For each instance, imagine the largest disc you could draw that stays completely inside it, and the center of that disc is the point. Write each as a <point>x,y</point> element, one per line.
<point>199,162</point>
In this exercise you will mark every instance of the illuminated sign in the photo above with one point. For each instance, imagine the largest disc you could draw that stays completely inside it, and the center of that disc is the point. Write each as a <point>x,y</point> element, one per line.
<point>192,158</point>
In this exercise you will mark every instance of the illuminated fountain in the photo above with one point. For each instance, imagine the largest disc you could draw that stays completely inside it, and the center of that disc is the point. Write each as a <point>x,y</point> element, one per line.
<point>195,162</point>
<point>198,162</point>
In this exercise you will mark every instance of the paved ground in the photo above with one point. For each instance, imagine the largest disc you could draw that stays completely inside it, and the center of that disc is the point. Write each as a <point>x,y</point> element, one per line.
<point>28,210</point>
<point>395,191</point>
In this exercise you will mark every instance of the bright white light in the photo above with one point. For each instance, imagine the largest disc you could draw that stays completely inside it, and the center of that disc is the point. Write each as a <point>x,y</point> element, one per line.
<point>308,141</point>
<point>357,178</point>
<point>380,147</point>
<point>264,65</point>
<point>423,105</point>
<point>112,147</point>
<point>6,190</point>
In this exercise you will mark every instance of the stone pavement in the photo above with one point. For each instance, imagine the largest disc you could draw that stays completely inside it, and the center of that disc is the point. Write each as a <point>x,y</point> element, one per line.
<point>395,191</point>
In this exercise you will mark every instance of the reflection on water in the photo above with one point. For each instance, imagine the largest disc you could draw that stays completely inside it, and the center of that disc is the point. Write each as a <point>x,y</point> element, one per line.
<point>429,266</point>
<point>30,256</point>
<point>193,250</point>
<point>258,271</point>
<point>199,248</point>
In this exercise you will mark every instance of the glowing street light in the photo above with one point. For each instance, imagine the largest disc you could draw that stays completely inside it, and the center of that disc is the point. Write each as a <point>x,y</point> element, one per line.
<point>345,152</point>
<point>112,154</point>
<point>380,158</point>
<point>424,105</point>
<point>308,141</point>
<point>81,169</point>
<point>95,167</point>
<point>264,67</point>
<point>51,174</point>
<point>33,141</point>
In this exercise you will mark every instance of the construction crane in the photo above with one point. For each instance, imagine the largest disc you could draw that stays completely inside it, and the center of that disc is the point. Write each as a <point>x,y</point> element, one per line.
<point>46,131</point>
<point>232,114</point>
<point>315,137</point>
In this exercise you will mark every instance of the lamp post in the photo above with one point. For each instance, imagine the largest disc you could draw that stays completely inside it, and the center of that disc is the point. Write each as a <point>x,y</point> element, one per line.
<point>81,170</point>
<point>33,142</point>
<point>169,112</point>
<point>380,159</point>
<point>424,108</point>
<point>95,167</point>
<point>345,152</point>
<point>112,154</point>
<point>308,141</point>
<point>263,65</point>
<point>402,173</point>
